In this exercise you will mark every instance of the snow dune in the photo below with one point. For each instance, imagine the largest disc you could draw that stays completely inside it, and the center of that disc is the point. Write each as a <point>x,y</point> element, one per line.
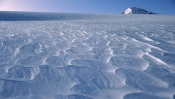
<point>86,56</point>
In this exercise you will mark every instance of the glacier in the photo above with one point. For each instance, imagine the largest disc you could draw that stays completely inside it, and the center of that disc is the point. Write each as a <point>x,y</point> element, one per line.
<point>86,56</point>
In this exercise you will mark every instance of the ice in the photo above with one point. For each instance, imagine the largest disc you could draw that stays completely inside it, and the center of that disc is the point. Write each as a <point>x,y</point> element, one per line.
<point>86,56</point>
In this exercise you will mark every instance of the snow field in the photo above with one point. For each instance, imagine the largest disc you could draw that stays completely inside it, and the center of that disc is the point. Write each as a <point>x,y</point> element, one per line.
<point>104,57</point>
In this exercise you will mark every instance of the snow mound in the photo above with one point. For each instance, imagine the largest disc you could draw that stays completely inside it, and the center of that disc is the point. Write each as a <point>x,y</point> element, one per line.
<point>85,57</point>
<point>135,10</point>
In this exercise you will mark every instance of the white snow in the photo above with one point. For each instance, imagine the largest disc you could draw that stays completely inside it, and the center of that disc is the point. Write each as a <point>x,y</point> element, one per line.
<point>86,56</point>
<point>129,10</point>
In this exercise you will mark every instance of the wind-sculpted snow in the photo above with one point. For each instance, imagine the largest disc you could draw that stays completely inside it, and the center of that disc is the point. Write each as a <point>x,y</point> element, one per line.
<point>104,57</point>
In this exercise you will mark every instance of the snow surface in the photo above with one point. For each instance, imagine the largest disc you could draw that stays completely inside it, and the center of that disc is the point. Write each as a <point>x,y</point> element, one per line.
<point>87,57</point>
<point>135,10</point>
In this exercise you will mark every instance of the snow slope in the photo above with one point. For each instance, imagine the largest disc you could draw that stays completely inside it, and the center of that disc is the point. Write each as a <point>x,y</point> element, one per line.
<point>135,10</point>
<point>84,56</point>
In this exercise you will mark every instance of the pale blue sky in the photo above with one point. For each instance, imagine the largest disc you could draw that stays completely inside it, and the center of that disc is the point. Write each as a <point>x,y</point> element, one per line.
<point>87,6</point>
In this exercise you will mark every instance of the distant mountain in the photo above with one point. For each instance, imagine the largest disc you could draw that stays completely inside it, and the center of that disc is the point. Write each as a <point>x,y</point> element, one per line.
<point>135,10</point>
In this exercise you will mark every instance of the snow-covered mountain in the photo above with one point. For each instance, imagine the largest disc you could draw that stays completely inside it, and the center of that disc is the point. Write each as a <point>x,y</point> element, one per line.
<point>135,10</point>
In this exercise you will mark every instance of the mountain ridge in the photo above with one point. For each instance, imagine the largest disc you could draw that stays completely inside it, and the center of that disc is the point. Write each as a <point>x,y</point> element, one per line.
<point>135,10</point>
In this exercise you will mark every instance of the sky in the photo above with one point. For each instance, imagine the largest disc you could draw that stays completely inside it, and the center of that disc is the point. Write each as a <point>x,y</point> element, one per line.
<point>87,6</point>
